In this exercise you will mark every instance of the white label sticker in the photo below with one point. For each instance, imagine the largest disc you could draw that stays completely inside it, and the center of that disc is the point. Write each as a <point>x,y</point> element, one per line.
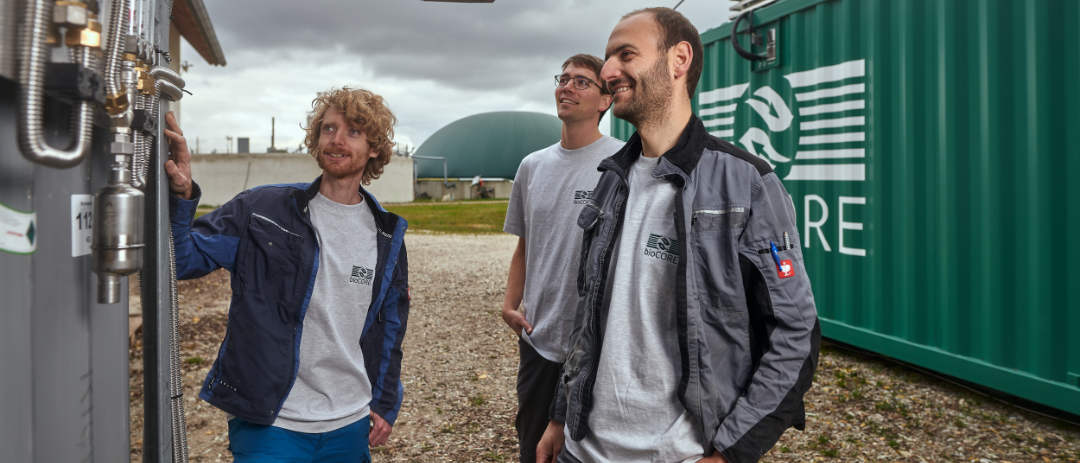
<point>82,210</point>
<point>18,231</point>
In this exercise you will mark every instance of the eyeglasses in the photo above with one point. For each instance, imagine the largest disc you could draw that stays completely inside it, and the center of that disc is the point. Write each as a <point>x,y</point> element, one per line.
<point>580,82</point>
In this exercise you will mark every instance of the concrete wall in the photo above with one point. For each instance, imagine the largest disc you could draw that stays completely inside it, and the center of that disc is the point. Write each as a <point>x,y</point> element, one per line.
<point>223,176</point>
<point>462,188</point>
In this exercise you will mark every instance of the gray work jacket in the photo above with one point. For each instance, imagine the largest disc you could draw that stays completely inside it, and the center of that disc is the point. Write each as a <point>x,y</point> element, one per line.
<point>748,331</point>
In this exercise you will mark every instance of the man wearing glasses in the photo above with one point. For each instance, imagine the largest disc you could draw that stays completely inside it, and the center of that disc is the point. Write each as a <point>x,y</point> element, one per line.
<point>549,190</point>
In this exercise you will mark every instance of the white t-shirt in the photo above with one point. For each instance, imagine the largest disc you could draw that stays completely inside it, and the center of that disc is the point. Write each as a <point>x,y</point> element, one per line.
<point>636,414</point>
<point>550,189</point>
<point>332,388</point>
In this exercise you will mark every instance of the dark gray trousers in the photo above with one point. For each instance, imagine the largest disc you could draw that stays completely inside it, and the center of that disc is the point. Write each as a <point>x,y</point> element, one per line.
<point>536,382</point>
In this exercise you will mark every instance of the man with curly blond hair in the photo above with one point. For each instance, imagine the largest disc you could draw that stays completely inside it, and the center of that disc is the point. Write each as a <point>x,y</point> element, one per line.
<point>310,366</point>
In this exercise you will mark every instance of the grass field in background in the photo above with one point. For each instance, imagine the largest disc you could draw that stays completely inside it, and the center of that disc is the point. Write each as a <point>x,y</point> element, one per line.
<point>452,217</point>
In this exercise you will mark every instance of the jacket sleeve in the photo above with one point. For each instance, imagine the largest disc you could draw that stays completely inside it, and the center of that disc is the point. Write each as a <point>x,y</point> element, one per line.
<point>386,402</point>
<point>782,313</point>
<point>208,243</point>
<point>558,410</point>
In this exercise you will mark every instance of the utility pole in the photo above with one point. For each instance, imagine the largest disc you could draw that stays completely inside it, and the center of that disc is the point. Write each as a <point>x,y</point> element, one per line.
<point>273,147</point>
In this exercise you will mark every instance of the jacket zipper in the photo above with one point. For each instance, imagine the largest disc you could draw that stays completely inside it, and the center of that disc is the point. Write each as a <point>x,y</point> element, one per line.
<point>597,290</point>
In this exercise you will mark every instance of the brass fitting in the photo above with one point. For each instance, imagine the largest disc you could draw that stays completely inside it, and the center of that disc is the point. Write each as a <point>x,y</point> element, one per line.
<point>145,83</point>
<point>70,14</point>
<point>89,36</point>
<point>131,57</point>
<point>116,104</point>
<point>52,37</point>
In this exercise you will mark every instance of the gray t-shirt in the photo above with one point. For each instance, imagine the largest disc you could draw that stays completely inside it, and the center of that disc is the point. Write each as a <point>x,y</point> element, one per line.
<point>549,190</point>
<point>636,414</point>
<point>332,387</point>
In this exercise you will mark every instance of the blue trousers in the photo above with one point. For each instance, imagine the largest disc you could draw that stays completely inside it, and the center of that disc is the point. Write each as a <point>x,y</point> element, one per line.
<point>255,443</point>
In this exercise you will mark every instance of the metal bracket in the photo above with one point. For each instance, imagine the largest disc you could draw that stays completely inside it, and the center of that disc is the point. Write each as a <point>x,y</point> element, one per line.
<point>72,82</point>
<point>144,121</point>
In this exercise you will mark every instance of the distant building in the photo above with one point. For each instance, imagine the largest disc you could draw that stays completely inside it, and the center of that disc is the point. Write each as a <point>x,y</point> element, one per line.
<point>489,145</point>
<point>222,176</point>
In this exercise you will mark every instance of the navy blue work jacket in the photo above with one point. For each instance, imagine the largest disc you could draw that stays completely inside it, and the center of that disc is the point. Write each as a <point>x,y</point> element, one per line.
<point>265,239</point>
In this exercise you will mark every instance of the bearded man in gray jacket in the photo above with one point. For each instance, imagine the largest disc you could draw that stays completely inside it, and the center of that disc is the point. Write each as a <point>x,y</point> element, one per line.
<point>696,336</point>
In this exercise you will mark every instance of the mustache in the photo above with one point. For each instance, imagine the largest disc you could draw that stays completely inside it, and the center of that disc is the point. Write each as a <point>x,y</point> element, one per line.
<point>622,80</point>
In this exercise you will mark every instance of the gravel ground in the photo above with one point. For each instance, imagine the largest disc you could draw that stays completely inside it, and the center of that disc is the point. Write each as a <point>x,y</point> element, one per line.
<point>461,362</point>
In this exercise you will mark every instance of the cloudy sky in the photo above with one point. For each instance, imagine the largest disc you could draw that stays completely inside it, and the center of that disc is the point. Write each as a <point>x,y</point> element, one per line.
<point>433,62</point>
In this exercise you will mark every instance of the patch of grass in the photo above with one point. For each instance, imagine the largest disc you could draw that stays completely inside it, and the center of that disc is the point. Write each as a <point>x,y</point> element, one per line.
<point>195,361</point>
<point>438,410</point>
<point>894,444</point>
<point>455,217</point>
<point>203,210</point>
<point>493,456</point>
<point>785,449</point>
<point>447,430</point>
<point>477,401</point>
<point>857,394</point>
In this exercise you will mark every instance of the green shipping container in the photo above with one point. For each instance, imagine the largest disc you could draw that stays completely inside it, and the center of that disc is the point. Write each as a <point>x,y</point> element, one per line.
<point>928,148</point>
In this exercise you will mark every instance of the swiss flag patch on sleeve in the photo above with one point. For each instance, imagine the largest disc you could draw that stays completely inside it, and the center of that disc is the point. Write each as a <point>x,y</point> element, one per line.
<point>786,270</point>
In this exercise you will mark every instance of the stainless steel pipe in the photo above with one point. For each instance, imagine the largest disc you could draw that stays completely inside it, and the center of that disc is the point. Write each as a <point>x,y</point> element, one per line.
<point>161,72</point>
<point>33,54</point>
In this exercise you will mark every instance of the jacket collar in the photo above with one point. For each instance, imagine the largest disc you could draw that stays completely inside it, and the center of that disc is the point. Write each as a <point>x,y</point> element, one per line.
<point>385,221</point>
<point>684,155</point>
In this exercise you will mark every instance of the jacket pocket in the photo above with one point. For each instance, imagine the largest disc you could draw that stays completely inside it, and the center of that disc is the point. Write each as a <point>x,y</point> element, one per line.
<point>257,363</point>
<point>271,260</point>
<point>717,271</point>
<point>715,220</point>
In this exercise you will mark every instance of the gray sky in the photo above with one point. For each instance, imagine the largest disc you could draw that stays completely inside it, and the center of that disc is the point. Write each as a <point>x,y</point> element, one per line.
<point>433,62</point>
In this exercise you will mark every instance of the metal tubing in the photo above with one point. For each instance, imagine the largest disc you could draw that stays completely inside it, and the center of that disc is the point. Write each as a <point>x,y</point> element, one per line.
<point>155,284</point>
<point>114,45</point>
<point>168,91</point>
<point>33,54</point>
<point>161,72</point>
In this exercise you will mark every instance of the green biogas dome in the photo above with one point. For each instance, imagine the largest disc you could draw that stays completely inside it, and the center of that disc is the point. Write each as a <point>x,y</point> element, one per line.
<point>490,145</point>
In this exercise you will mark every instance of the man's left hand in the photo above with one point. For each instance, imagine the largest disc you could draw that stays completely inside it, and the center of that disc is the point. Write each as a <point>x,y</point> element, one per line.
<point>380,431</point>
<point>716,457</point>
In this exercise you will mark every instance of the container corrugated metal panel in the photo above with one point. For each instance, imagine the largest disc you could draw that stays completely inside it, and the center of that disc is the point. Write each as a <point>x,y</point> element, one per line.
<point>929,148</point>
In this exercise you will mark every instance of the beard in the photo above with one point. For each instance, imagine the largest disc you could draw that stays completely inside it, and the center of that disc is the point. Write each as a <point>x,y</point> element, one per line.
<point>354,168</point>
<point>651,98</point>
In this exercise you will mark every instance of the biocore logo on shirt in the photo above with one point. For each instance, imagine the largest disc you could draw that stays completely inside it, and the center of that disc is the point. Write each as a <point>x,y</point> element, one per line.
<point>663,248</point>
<point>361,275</point>
<point>582,196</point>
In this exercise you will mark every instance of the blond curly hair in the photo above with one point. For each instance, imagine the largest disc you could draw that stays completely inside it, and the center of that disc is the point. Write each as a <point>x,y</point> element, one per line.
<point>368,112</point>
